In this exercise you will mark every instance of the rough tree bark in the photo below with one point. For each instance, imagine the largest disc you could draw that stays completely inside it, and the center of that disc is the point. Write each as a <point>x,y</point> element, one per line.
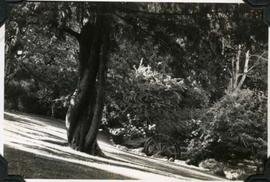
<point>86,105</point>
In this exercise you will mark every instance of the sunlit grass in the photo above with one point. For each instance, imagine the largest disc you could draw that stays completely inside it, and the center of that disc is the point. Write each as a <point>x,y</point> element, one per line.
<point>45,139</point>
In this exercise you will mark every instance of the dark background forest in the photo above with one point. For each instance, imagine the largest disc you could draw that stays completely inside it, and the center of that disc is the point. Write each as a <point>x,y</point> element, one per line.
<point>184,81</point>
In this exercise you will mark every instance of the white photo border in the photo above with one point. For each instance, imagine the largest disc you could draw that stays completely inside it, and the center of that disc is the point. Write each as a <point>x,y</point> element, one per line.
<point>2,69</point>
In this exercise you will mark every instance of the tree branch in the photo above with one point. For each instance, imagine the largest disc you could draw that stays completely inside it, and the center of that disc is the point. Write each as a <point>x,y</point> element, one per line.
<point>237,65</point>
<point>71,32</point>
<point>258,61</point>
<point>259,57</point>
<point>244,72</point>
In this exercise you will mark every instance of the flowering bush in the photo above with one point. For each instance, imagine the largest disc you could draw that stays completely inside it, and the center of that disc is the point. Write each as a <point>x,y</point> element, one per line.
<point>144,101</point>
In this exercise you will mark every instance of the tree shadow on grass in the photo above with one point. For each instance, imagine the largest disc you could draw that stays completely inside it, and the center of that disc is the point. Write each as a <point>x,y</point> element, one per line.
<point>36,127</point>
<point>51,151</point>
<point>31,139</point>
<point>47,141</point>
<point>30,165</point>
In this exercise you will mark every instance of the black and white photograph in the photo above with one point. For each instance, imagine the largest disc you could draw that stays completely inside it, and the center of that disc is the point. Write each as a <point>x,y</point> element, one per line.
<point>135,90</point>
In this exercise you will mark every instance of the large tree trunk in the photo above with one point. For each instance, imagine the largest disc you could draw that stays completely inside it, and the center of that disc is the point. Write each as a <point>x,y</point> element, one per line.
<point>86,105</point>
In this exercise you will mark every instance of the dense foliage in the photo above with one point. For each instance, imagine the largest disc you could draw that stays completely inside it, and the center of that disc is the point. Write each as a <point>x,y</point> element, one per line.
<point>232,129</point>
<point>144,99</point>
<point>40,69</point>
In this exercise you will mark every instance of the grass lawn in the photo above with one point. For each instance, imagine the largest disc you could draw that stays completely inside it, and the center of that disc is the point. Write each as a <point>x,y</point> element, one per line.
<point>30,165</point>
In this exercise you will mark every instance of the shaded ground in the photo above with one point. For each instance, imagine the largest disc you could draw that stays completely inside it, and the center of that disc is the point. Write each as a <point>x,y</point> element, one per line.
<point>35,166</point>
<point>36,147</point>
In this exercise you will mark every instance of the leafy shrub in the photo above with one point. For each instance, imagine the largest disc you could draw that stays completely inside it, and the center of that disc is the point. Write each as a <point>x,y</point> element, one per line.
<point>233,128</point>
<point>141,97</point>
